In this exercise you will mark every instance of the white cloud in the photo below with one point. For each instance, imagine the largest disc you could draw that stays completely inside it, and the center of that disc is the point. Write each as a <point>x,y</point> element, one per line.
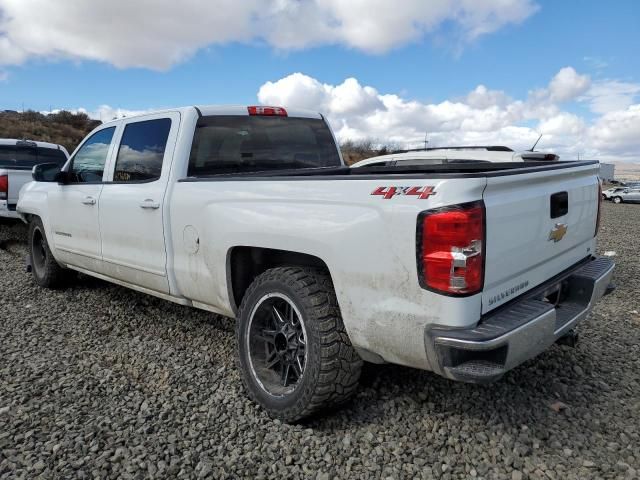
<point>157,35</point>
<point>568,84</point>
<point>106,113</point>
<point>482,97</point>
<point>611,95</point>
<point>482,117</point>
<point>562,124</point>
<point>618,133</point>
<point>103,113</point>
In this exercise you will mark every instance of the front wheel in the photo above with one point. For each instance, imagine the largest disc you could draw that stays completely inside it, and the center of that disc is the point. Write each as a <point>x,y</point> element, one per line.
<point>617,200</point>
<point>294,354</point>
<point>47,272</point>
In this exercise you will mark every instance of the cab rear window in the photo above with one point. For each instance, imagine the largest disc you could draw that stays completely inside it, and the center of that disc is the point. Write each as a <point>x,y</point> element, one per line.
<point>236,144</point>
<point>24,157</point>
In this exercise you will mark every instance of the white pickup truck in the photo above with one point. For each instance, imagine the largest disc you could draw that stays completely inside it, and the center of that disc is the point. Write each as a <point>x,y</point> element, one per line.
<point>17,158</point>
<point>465,270</point>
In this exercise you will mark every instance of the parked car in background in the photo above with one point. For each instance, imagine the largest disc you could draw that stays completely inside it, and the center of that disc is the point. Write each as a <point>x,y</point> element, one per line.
<point>442,155</point>
<point>610,192</point>
<point>466,270</point>
<point>628,195</point>
<point>17,159</point>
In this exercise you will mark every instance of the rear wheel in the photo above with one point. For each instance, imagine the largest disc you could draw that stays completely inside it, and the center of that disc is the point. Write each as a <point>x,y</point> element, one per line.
<point>294,354</point>
<point>617,200</point>
<point>46,270</point>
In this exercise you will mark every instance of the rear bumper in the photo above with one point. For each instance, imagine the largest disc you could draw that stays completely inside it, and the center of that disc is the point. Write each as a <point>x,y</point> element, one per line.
<point>8,211</point>
<point>521,329</point>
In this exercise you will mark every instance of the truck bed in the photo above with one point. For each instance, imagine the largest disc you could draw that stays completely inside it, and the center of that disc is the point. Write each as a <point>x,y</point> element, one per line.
<point>450,170</point>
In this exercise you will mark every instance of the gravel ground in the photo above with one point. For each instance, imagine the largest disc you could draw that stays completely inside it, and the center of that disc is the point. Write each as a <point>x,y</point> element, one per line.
<point>100,381</point>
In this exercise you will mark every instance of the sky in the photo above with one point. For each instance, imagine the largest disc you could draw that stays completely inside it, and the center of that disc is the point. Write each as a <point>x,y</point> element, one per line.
<point>460,72</point>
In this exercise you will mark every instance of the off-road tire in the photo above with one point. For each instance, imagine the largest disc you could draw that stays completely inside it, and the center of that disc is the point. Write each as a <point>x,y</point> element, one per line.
<point>332,367</point>
<point>47,272</point>
<point>617,199</point>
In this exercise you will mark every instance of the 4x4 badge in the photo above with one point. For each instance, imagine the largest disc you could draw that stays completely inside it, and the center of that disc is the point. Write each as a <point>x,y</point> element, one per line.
<point>388,193</point>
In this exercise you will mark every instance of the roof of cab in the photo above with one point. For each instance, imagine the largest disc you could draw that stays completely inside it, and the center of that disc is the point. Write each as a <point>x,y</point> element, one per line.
<point>207,110</point>
<point>243,110</point>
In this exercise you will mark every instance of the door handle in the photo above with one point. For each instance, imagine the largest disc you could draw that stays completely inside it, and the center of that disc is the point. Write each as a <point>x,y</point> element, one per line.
<point>149,203</point>
<point>89,201</point>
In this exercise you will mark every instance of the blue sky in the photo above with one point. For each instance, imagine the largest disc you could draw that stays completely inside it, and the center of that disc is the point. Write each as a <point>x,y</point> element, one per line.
<point>442,61</point>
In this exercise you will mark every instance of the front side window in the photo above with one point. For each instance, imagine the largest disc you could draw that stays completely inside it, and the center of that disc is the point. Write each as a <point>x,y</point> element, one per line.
<point>88,163</point>
<point>142,150</point>
<point>235,144</point>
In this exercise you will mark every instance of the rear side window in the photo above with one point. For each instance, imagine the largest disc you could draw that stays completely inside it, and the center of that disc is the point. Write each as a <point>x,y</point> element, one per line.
<point>235,144</point>
<point>141,151</point>
<point>87,165</point>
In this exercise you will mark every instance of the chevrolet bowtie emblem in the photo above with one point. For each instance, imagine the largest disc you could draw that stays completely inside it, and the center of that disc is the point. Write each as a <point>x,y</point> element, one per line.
<point>557,232</point>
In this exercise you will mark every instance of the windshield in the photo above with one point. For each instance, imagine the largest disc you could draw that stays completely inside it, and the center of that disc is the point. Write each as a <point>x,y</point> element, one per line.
<point>234,144</point>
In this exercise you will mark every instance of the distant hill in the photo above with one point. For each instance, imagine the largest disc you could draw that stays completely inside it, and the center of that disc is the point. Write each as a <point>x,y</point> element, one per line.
<point>627,171</point>
<point>63,127</point>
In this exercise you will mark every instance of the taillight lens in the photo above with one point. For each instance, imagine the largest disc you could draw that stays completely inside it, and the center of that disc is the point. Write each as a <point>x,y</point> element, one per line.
<point>267,111</point>
<point>451,249</point>
<point>4,187</point>
<point>599,208</point>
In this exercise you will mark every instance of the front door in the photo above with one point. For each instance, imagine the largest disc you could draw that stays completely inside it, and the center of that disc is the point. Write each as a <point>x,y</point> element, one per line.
<point>74,206</point>
<point>132,202</point>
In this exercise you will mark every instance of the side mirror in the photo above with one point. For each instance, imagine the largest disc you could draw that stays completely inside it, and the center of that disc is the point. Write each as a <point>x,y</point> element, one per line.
<point>45,172</point>
<point>62,177</point>
<point>626,190</point>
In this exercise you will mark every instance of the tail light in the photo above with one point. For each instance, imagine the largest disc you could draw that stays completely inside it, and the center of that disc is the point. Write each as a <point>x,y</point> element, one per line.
<point>451,243</point>
<point>267,111</point>
<point>4,187</point>
<point>599,208</point>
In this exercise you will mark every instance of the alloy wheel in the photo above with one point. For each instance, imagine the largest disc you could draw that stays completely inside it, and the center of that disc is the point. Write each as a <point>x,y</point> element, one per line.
<point>276,343</point>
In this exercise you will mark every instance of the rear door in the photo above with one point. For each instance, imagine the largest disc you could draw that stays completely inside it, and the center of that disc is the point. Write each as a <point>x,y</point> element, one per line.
<point>537,225</point>
<point>633,195</point>
<point>132,202</point>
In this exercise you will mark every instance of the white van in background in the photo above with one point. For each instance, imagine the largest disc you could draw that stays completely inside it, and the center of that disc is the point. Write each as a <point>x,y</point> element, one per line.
<point>442,155</point>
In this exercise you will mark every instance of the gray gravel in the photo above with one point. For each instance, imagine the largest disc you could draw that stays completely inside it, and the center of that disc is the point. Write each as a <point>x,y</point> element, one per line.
<point>100,381</point>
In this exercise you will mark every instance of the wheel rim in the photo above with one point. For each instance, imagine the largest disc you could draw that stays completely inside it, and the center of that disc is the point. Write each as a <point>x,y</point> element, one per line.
<point>276,343</point>
<point>38,249</point>
<point>616,200</point>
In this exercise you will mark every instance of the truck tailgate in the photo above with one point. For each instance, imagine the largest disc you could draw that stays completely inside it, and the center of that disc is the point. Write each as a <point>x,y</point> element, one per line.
<point>537,225</point>
<point>17,178</point>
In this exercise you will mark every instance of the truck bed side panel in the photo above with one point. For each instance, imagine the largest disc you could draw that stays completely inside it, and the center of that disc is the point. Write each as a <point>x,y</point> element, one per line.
<point>368,243</point>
